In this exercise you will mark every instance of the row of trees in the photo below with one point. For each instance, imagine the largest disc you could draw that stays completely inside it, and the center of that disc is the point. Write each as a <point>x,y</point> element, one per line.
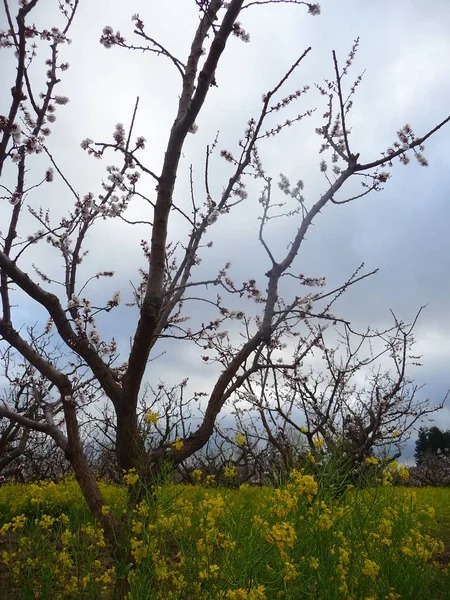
<point>263,346</point>
<point>264,437</point>
<point>432,457</point>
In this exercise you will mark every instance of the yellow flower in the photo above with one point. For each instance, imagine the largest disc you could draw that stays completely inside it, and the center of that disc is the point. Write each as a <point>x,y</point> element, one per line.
<point>137,527</point>
<point>304,484</point>
<point>196,474</point>
<point>371,460</point>
<point>130,477</point>
<point>310,457</point>
<point>151,417</point>
<point>387,478</point>
<point>290,573</point>
<point>403,472</point>
<point>240,439</point>
<point>319,442</point>
<point>46,521</point>
<point>18,522</point>
<point>230,472</point>
<point>393,465</point>
<point>212,572</point>
<point>303,429</point>
<point>370,568</point>
<point>257,593</point>
<point>281,535</point>
<point>314,563</point>
<point>178,444</point>
<point>392,595</point>
<point>395,434</point>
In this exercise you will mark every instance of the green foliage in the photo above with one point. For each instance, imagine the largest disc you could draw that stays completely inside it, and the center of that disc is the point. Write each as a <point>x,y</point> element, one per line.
<point>209,542</point>
<point>432,441</point>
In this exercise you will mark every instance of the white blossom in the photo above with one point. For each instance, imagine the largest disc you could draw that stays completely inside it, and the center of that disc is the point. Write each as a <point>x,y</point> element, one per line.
<point>61,100</point>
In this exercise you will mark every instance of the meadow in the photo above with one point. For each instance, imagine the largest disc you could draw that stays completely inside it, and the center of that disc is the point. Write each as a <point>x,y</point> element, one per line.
<point>301,540</point>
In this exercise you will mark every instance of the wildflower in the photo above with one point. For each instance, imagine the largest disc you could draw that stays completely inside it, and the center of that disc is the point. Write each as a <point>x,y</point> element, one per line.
<point>196,474</point>
<point>303,429</point>
<point>18,522</point>
<point>64,519</point>
<point>319,442</point>
<point>304,484</point>
<point>403,472</point>
<point>371,460</point>
<point>130,477</point>
<point>138,551</point>
<point>46,521</point>
<point>311,458</point>
<point>290,573</point>
<point>230,472</point>
<point>256,593</point>
<point>212,572</point>
<point>370,568</point>
<point>240,439</point>
<point>387,478</point>
<point>151,417</point>
<point>178,444</point>
<point>395,434</point>
<point>325,522</point>
<point>314,563</point>
<point>281,535</point>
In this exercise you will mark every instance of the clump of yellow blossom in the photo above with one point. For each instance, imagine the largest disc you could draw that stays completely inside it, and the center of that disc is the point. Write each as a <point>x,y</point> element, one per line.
<point>371,460</point>
<point>319,441</point>
<point>151,417</point>
<point>370,568</point>
<point>310,457</point>
<point>256,593</point>
<point>178,444</point>
<point>230,472</point>
<point>403,472</point>
<point>303,484</point>
<point>130,477</point>
<point>240,439</point>
<point>197,475</point>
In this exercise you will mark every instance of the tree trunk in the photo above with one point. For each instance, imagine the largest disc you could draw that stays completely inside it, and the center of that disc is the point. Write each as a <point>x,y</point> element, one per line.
<point>112,526</point>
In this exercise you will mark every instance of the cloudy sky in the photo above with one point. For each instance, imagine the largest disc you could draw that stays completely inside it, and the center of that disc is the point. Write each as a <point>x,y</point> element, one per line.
<point>403,230</point>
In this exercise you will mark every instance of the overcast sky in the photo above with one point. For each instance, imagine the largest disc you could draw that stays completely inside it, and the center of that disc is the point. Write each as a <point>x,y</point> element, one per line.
<point>403,230</point>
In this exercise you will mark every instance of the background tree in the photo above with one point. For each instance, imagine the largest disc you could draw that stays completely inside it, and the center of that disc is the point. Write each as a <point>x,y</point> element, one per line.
<point>432,454</point>
<point>328,402</point>
<point>240,345</point>
<point>431,440</point>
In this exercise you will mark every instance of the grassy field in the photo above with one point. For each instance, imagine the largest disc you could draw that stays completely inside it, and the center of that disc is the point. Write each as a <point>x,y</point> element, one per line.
<point>204,542</point>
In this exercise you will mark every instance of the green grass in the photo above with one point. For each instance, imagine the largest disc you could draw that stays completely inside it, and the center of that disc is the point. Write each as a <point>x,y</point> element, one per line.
<point>200,542</point>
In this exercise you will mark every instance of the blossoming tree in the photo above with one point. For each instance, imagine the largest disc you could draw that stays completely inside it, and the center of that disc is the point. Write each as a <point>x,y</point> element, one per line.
<point>168,278</point>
